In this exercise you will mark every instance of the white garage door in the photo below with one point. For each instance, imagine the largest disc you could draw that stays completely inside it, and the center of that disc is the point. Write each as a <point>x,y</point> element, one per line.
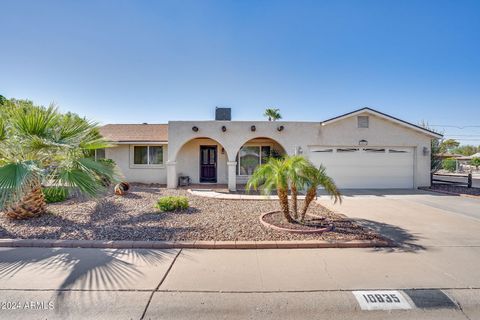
<point>364,167</point>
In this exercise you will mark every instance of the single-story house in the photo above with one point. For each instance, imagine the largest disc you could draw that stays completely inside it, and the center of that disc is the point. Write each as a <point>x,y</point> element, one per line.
<point>361,149</point>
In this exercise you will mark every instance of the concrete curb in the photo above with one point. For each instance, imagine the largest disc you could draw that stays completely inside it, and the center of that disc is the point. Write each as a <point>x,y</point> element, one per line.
<point>195,244</point>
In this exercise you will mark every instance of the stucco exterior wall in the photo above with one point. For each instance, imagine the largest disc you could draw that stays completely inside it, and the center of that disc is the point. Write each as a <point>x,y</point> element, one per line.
<point>381,132</point>
<point>293,135</point>
<point>299,136</point>
<point>122,155</point>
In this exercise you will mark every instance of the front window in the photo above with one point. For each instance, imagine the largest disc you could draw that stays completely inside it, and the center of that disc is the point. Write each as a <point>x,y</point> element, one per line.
<point>249,157</point>
<point>148,155</point>
<point>99,154</point>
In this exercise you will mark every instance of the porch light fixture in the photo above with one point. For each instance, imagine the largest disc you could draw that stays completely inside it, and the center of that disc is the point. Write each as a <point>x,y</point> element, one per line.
<point>426,151</point>
<point>253,128</point>
<point>224,128</point>
<point>195,129</point>
<point>280,128</point>
<point>223,151</point>
<point>362,143</point>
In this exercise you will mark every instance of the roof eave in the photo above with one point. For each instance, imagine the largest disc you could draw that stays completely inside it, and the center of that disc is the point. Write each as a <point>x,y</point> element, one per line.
<point>139,142</point>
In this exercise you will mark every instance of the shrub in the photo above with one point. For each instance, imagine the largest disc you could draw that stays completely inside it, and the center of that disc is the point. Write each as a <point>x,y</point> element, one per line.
<point>475,162</point>
<point>55,194</point>
<point>449,164</point>
<point>108,162</point>
<point>106,180</point>
<point>172,203</point>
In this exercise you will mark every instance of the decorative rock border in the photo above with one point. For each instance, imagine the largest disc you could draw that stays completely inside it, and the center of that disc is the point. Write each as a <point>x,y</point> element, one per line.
<point>465,195</point>
<point>195,244</point>
<point>274,227</point>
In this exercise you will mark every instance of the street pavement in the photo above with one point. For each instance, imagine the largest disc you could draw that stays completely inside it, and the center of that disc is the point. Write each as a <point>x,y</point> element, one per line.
<point>438,255</point>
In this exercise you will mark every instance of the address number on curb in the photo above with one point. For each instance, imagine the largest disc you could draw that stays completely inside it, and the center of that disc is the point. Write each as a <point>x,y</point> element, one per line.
<point>381,300</point>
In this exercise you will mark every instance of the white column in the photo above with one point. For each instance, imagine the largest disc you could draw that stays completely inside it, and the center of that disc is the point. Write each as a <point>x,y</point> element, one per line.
<point>232,175</point>
<point>172,179</point>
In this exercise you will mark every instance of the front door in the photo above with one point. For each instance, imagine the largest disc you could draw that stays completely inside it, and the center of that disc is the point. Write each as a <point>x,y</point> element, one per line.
<point>208,163</point>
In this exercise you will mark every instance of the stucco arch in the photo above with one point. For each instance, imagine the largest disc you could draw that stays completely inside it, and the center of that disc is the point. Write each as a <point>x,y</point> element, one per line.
<point>260,137</point>
<point>173,154</point>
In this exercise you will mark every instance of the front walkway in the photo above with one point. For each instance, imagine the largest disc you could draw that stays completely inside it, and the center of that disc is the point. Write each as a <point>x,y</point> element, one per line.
<point>233,196</point>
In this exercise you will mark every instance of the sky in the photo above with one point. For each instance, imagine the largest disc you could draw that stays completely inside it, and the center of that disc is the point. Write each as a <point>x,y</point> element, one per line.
<point>153,61</point>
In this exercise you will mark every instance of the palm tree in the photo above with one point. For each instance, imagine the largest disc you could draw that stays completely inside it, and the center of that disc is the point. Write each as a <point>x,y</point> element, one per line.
<point>272,114</point>
<point>273,175</point>
<point>40,145</point>
<point>296,173</point>
<point>316,177</point>
<point>296,166</point>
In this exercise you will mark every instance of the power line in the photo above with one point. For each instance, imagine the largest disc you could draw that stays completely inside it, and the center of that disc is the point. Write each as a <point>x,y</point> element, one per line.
<point>462,135</point>
<point>453,126</point>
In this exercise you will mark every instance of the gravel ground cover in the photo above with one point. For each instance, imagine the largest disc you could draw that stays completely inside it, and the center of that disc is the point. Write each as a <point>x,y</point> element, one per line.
<point>133,217</point>
<point>456,189</point>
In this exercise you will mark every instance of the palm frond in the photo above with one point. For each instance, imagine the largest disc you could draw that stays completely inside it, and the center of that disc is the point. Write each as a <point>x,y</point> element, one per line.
<point>74,178</point>
<point>317,177</point>
<point>3,130</point>
<point>16,180</point>
<point>37,121</point>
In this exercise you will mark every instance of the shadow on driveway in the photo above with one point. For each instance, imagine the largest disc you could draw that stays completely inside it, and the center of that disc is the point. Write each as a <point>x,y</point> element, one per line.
<point>402,239</point>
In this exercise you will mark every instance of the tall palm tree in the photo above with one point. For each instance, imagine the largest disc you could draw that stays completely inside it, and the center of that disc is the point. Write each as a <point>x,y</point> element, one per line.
<point>273,175</point>
<point>272,114</point>
<point>40,145</point>
<point>314,178</point>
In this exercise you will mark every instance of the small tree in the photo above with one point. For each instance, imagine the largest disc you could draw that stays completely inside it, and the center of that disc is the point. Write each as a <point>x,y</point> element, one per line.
<point>475,162</point>
<point>449,164</point>
<point>294,173</point>
<point>40,145</point>
<point>272,114</point>
<point>448,145</point>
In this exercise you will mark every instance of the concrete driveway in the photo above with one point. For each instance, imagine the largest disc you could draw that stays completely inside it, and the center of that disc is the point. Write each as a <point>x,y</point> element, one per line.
<point>414,217</point>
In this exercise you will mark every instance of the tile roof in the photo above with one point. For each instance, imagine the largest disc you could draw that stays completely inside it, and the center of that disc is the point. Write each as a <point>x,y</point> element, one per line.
<point>135,132</point>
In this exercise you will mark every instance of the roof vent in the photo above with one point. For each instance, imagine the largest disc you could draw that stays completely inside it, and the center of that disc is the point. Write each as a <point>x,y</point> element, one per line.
<point>144,123</point>
<point>223,114</point>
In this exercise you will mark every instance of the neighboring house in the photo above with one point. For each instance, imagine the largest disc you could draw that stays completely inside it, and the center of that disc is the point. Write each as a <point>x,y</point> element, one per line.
<point>361,149</point>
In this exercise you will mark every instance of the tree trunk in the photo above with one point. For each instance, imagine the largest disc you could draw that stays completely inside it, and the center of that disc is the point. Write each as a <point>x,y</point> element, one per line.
<point>283,197</point>
<point>311,194</point>
<point>294,201</point>
<point>31,205</point>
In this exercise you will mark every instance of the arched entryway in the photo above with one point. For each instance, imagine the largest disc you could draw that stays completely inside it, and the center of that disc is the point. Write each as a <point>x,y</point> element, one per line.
<point>253,153</point>
<point>203,160</point>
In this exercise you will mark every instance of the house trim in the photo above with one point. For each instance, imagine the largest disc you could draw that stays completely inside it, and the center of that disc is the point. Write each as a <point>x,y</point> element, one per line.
<point>383,116</point>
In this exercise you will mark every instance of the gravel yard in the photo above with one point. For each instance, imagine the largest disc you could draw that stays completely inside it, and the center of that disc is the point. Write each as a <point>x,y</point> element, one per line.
<point>132,217</point>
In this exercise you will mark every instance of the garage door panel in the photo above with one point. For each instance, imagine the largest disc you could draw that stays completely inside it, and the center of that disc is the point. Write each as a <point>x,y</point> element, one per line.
<point>367,169</point>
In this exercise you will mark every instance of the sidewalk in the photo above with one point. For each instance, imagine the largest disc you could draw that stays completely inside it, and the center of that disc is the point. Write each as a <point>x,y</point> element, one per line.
<point>119,284</point>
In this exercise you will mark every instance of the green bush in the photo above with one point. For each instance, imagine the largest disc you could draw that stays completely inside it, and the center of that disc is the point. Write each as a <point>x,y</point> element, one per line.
<point>55,194</point>
<point>449,164</point>
<point>475,162</point>
<point>172,203</point>
<point>108,162</point>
